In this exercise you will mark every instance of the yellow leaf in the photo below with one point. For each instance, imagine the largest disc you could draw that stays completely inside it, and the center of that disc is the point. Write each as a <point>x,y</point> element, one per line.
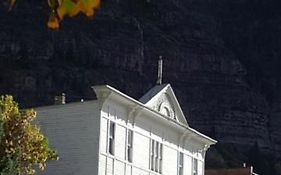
<point>88,6</point>
<point>68,7</point>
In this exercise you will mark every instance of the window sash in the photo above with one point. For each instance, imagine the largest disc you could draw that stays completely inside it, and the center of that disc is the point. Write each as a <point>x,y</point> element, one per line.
<point>130,146</point>
<point>156,156</point>
<point>180,163</point>
<point>111,138</point>
<point>195,166</point>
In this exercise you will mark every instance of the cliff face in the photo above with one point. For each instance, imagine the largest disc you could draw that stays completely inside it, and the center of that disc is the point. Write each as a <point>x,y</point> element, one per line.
<point>221,57</point>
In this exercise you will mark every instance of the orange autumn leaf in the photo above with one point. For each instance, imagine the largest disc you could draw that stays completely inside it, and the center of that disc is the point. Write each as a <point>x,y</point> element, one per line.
<point>86,10</point>
<point>71,8</point>
<point>53,22</point>
<point>62,8</point>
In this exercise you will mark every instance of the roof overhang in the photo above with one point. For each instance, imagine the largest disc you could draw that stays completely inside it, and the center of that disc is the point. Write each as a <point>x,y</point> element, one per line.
<point>106,92</point>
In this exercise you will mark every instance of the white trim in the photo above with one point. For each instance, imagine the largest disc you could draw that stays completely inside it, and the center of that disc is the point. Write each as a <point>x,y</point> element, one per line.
<point>131,145</point>
<point>112,138</point>
<point>126,99</point>
<point>134,165</point>
<point>156,154</point>
<point>127,163</point>
<point>179,163</point>
<point>164,143</point>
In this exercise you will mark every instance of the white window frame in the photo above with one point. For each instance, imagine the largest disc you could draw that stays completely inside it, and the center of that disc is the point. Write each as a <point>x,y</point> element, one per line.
<point>111,137</point>
<point>129,146</point>
<point>156,156</point>
<point>180,163</point>
<point>195,166</point>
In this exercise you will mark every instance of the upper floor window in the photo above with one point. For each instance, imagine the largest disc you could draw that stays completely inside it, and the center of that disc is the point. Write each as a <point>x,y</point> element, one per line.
<point>180,163</point>
<point>111,138</point>
<point>156,156</point>
<point>195,167</point>
<point>130,146</point>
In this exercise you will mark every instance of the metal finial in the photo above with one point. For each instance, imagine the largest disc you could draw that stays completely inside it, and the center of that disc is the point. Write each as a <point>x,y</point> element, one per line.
<point>160,65</point>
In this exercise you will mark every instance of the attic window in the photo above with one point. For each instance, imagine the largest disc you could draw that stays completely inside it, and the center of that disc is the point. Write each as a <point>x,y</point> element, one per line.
<point>166,111</point>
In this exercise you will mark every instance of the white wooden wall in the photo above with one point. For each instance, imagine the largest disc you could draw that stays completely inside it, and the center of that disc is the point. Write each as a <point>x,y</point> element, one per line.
<point>79,131</point>
<point>145,129</point>
<point>73,130</point>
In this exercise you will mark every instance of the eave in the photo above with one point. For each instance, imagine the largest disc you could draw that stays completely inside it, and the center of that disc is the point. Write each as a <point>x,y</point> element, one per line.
<point>105,91</point>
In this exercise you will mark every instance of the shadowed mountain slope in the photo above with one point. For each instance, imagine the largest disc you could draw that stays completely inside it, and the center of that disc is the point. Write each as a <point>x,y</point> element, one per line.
<point>222,58</point>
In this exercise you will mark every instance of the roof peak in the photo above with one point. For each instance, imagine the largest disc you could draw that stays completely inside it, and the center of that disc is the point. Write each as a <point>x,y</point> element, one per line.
<point>152,92</point>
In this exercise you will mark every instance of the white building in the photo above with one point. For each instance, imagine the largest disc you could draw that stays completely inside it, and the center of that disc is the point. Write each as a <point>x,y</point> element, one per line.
<point>118,135</point>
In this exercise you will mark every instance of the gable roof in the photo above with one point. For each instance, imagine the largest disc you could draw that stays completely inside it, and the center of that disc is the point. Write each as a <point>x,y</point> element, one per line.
<point>104,92</point>
<point>151,93</point>
<point>163,99</point>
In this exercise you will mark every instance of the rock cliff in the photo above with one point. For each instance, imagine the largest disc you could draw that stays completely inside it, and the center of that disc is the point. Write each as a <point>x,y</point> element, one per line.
<point>221,57</point>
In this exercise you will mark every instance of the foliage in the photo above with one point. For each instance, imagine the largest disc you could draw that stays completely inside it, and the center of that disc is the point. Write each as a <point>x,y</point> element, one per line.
<point>22,145</point>
<point>62,8</point>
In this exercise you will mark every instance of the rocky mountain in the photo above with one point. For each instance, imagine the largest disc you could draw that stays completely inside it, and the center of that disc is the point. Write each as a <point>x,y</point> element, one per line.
<point>220,56</point>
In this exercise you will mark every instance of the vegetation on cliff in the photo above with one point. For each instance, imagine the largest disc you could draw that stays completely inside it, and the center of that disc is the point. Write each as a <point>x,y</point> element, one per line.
<point>222,58</point>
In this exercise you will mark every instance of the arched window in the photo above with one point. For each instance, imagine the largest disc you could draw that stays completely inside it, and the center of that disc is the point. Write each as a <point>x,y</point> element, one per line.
<point>166,111</point>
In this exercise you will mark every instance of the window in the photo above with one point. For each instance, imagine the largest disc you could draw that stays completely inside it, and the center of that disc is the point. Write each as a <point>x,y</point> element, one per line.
<point>111,138</point>
<point>130,146</point>
<point>156,156</point>
<point>180,163</point>
<point>195,167</point>
<point>166,111</point>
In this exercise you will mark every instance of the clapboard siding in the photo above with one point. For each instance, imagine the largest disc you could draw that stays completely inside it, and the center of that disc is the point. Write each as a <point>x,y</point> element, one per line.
<point>187,168</point>
<point>103,135</point>
<point>137,171</point>
<point>80,133</point>
<point>120,135</point>
<point>128,170</point>
<point>169,160</point>
<point>200,168</point>
<point>74,133</point>
<point>102,165</point>
<point>119,168</point>
<point>141,151</point>
<point>145,129</point>
<point>109,166</point>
